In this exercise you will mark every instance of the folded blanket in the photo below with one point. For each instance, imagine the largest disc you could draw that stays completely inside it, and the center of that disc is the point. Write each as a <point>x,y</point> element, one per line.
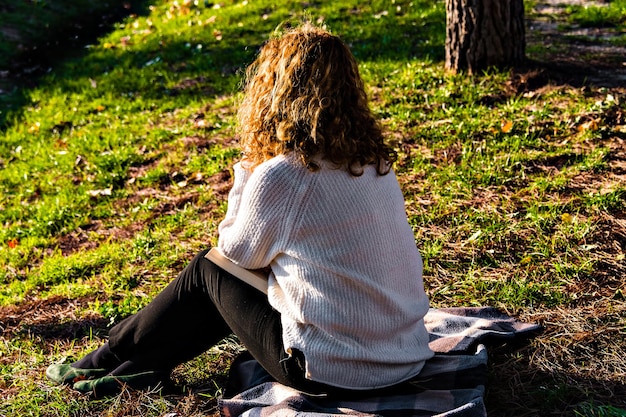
<point>460,329</point>
<point>451,384</point>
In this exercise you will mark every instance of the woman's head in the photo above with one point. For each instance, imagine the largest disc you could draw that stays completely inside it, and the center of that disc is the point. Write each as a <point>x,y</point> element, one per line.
<point>304,94</point>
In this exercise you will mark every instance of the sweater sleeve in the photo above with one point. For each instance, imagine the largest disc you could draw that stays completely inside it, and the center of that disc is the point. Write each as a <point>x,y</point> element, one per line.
<point>260,223</point>
<point>241,176</point>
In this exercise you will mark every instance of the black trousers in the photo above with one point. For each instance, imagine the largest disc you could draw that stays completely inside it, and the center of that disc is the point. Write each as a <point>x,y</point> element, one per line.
<point>200,307</point>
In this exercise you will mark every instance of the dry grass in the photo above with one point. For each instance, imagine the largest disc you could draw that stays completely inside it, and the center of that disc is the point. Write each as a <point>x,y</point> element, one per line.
<point>573,283</point>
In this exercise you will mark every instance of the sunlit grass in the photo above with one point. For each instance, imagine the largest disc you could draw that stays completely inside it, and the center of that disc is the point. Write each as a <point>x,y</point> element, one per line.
<point>611,14</point>
<point>114,173</point>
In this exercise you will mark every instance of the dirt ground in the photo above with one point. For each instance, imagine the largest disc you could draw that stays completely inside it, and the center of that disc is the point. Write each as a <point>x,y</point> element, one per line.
<point>576,348</point>
<point>576,55</point>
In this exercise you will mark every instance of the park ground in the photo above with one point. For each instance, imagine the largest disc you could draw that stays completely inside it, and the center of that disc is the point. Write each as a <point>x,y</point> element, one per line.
<point>114,171</point>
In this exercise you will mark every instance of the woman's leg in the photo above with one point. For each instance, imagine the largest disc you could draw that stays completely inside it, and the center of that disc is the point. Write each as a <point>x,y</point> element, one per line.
<point>249,315</point>
<point>200,307</point>
<point>180,323</point>
<point>194,312</point>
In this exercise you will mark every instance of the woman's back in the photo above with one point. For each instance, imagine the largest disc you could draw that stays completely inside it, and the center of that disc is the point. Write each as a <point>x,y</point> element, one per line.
<point>346,271</point>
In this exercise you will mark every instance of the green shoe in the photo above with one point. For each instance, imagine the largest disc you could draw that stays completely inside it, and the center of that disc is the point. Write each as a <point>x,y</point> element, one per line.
<point>112,384</point>
<point>64,373</point>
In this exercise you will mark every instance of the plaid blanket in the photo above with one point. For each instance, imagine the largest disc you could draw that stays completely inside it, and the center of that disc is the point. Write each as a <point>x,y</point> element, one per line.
<point>451,384</point>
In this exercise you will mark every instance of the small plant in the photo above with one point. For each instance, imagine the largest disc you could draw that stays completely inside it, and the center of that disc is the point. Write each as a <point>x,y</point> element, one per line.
<point>115,169</point>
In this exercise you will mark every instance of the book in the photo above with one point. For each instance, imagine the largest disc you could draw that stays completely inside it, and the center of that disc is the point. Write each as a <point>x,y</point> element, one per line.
<point>255,278</point>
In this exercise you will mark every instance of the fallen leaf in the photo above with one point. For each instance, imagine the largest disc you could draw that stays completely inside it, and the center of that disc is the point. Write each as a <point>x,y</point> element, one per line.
<point>34,128</point>
<point>506,126</point>
<point>589,125</point>
<point>475,236</point>
<point>566,218</point>
<point>525,260</point>
<point>200,124</point>
<point>96,193</point>
<point>60,144</point>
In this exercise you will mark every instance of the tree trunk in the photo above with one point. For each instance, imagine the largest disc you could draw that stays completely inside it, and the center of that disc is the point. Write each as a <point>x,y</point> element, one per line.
<point>484,33</point>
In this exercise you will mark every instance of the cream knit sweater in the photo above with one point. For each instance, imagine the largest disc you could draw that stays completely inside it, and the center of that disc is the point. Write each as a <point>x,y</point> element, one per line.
<point>346,273</point>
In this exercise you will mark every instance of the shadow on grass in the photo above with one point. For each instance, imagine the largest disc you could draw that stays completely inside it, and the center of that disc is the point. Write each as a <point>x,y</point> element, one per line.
<point>206,68</point>
<point>48,43</point>
<point>517,389</point>
<point>377,41</point>
<point>64,330</point>
<point>50,319</point>
<point>536,74</point>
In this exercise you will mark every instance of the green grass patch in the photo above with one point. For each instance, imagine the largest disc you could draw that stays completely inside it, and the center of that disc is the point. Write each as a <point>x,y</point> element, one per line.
<point>612,14</point>
<point>114,171</point>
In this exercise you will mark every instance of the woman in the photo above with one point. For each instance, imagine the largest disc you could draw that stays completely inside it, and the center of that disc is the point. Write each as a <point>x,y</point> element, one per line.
<point>315,200</point>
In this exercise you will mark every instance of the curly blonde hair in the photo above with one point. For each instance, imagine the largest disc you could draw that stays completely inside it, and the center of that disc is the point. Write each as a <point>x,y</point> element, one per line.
<point>304,94</point>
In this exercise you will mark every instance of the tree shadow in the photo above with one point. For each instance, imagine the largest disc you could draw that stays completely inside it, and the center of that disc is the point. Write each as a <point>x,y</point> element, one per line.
<point>66,40</point>
<point>566,53</point>
<point>518,388</point>
<point>174,58</point>
<point>50,319</point>
<point>425,40</point>
<point>374,41</point>
<point>535,75</point>
<point>66,330</point>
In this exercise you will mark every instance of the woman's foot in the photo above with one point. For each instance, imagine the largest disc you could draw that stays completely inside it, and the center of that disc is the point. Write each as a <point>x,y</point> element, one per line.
<point>65,373</point>
<point>95,364</point>
<point>110,385</point>
<point>102,374</point>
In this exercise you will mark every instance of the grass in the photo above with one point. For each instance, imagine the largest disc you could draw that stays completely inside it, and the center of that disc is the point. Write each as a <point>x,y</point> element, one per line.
<point>35,34</point>
<point>114,171</point>
<point>612,14</point>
